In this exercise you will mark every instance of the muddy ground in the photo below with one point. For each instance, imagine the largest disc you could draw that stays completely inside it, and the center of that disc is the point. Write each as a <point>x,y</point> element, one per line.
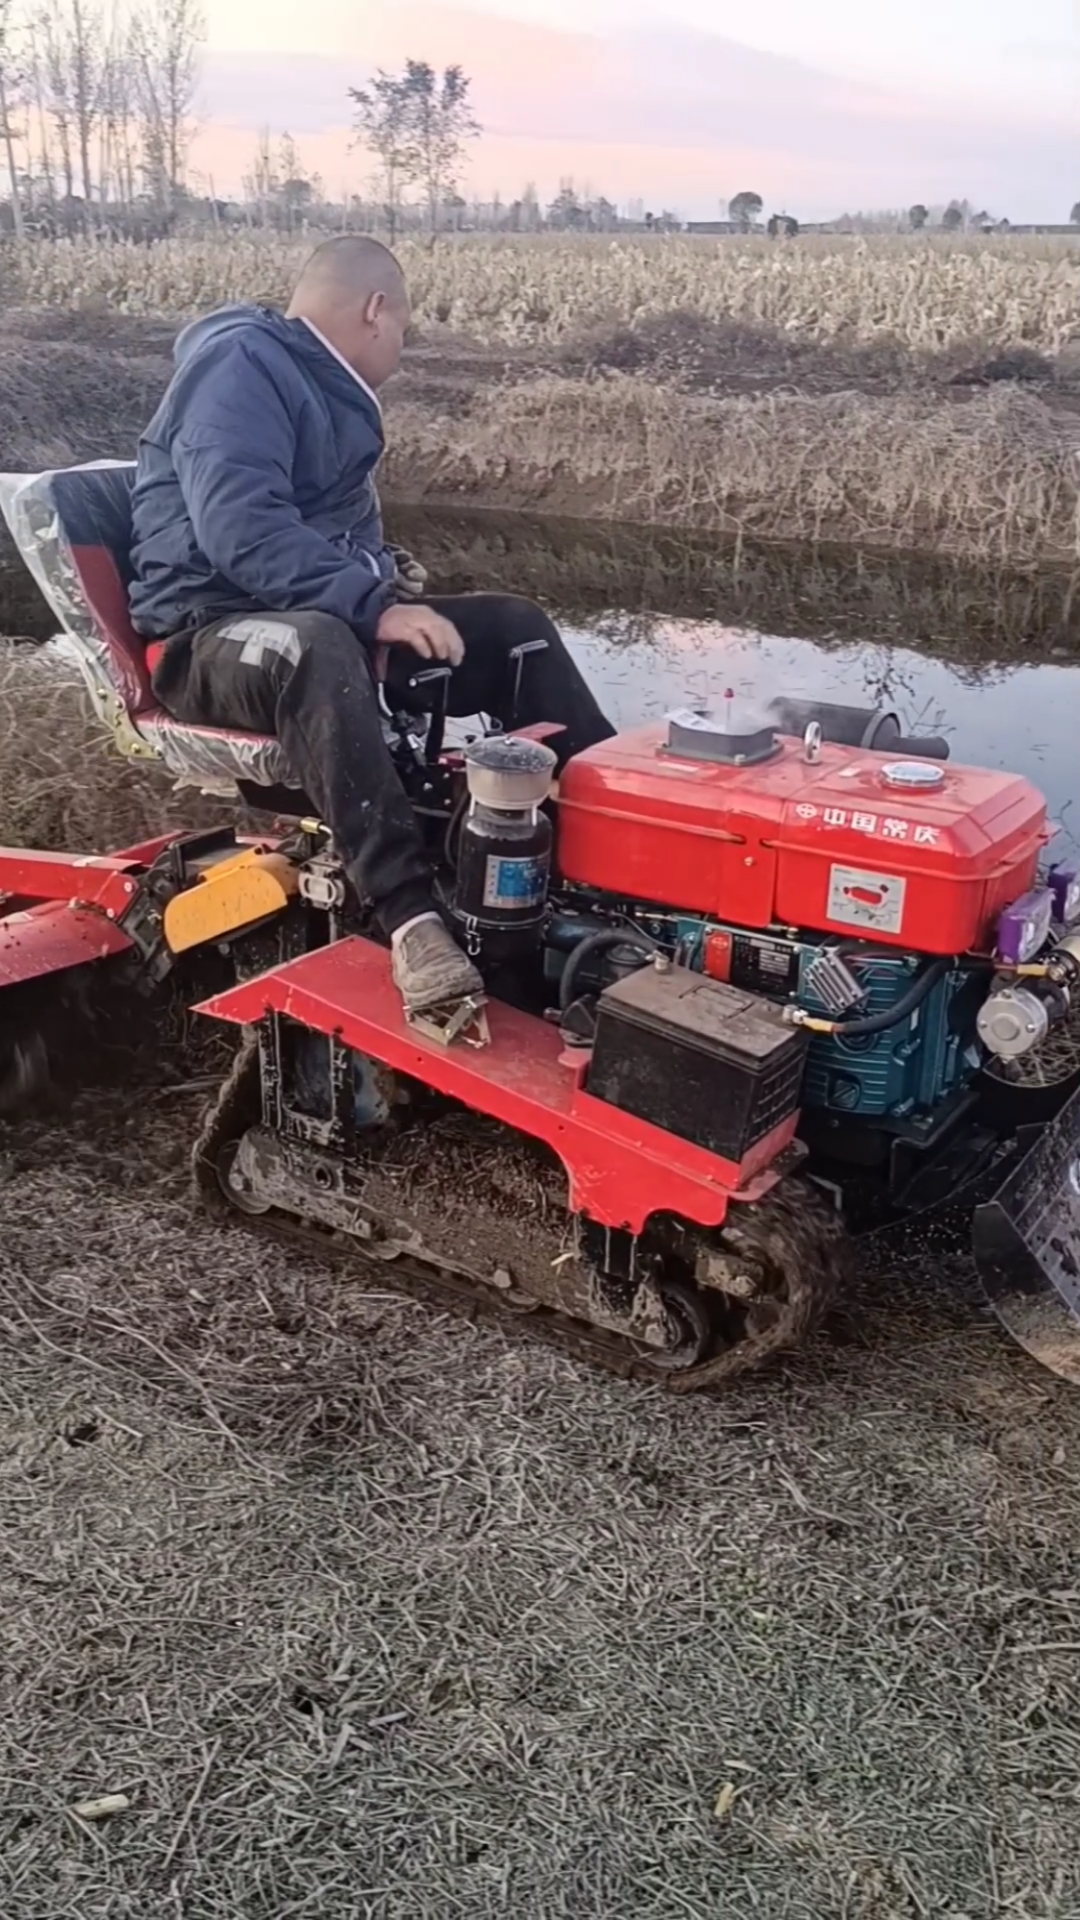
<point>371,1612</point>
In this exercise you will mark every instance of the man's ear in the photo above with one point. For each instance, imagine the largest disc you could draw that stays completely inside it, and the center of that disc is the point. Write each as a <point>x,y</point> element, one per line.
<point>373,307</point>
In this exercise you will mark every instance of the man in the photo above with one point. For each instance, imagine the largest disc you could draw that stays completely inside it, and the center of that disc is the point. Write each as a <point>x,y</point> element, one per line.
<point>258,554</point>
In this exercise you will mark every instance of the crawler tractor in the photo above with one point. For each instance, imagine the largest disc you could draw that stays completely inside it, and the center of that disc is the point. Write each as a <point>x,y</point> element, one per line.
<point>753,980</point>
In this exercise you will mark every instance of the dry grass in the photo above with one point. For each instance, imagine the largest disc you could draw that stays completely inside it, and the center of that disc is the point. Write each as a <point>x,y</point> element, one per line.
<point>996,478</point>
<point>797,429</point>
<point>926,293</point>
<point>369,1613</point>
<point>76,389</point>
<point>61,783</point>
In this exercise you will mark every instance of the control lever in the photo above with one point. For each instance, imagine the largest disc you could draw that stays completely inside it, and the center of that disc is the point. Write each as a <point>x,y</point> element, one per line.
<point>517,655</point>
<point>433,743</point>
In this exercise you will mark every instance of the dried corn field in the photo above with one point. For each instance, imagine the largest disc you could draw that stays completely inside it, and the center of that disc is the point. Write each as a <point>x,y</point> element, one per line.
<point>928,294</point>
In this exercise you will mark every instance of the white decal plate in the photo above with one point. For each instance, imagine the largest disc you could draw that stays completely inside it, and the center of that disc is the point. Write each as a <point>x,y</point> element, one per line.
<point>873,902</point>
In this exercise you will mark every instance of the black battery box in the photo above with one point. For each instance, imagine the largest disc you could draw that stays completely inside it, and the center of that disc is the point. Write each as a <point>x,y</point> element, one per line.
<point>706,1061</point>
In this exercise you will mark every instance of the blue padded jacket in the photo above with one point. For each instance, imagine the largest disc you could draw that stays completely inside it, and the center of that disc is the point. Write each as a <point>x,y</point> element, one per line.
<point>254,486</point>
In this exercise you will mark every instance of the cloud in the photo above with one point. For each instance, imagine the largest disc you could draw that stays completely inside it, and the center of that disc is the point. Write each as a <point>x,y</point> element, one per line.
<point>1055,51</point>
<point>672,113</point>
<point>305,93</point>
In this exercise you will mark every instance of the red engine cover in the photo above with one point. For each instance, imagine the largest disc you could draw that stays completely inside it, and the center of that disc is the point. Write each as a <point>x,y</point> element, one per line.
<point>828,845</point>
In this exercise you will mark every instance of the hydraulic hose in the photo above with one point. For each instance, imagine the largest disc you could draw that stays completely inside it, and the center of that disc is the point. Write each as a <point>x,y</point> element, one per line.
<point>870,1023</point>
<point>452,837</point>
<point>595,943</point>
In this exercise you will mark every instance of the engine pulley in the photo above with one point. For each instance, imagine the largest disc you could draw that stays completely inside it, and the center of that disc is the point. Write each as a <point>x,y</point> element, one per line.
<point>1014,1020</point>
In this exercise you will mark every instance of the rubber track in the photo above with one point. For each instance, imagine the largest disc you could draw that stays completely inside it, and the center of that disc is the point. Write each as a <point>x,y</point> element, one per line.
<point>797,1219</point>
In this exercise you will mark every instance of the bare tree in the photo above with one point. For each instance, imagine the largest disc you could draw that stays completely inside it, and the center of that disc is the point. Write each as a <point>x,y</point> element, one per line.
<point>297,189</point>
<point>56,92</point>
<point>112,93</point>
<point>12,77</point>
<point>416,124</point>
<point>261,180</point>
<point>165,39</point>
<point>116,115</point>
<point>385,125</point>
<point>566,214</point>
<point>38,90</point>
<point>82,30</point>
<point>442,120</point>
<point>120,112</point>
<point>531,218</point>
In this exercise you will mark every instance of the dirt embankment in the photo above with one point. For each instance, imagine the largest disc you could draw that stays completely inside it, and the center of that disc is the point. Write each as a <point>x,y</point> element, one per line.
<point>681,423</point>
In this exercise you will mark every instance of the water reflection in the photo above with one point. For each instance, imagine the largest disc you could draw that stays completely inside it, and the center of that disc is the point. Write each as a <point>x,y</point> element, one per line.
<point>959,612</point>
<point>1024,718</point>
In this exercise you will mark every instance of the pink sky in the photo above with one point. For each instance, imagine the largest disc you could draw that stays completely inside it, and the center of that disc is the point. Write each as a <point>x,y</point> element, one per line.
<point>663,107</point>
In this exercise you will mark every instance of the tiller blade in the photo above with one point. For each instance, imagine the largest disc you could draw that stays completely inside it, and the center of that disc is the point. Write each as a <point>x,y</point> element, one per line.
<point>1027,1246</point>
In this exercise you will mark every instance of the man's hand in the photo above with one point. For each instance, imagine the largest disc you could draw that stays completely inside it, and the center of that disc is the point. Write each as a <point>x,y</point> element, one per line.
<point>410,578</point>
<point>422,629</point>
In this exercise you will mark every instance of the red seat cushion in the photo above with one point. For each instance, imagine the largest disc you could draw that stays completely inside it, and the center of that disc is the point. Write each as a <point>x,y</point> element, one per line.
<point>106,596</point>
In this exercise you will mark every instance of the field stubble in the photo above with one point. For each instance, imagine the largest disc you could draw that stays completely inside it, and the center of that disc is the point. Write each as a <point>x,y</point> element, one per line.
<point>535,1642</point>
<point>924,293</point>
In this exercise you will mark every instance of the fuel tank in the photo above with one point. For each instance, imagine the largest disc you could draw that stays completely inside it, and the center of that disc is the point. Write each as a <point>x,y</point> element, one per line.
<point>902,852</point>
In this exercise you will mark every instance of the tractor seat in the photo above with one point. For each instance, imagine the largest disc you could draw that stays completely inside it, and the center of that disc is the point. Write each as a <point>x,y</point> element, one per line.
<point>73,530</point>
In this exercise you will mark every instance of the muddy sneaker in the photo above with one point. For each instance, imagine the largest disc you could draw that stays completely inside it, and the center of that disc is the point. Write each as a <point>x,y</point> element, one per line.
<point>429,967</point>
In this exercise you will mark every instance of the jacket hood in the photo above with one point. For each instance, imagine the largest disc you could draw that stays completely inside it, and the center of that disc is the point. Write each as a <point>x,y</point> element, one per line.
<point>295,336</point>
<point>226,320</point>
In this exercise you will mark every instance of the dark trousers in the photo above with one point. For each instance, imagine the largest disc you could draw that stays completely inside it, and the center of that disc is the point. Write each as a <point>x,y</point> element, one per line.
<point>308,680</point>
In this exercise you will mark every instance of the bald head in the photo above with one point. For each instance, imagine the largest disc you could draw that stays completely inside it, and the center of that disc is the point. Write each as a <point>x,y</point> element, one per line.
<point>352,288</point>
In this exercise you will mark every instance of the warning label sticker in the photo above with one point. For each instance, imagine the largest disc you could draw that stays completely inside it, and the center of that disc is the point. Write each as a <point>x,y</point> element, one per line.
<point>511,885</point>
<point>873,902</point>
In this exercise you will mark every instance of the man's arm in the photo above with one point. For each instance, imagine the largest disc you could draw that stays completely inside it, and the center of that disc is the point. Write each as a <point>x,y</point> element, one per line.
<point>233,458</point>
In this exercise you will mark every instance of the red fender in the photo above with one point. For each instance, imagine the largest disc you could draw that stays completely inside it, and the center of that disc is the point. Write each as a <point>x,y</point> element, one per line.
<point>53,937</point>
<point>620,1169</point>
<point>59,910</point>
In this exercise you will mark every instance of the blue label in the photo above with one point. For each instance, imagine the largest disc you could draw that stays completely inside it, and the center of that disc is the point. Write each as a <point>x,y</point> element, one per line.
<point>515,883</point>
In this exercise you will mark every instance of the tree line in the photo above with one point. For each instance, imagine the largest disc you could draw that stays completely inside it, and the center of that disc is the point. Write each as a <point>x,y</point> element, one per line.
<point>100,105</point>
<point>98,110</point>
